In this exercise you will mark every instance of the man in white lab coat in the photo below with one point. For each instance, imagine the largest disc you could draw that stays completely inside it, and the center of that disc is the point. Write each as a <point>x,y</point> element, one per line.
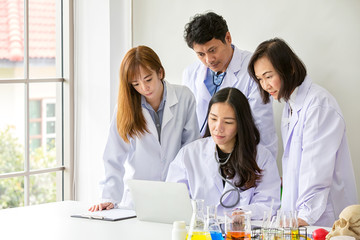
<point>222,65</point>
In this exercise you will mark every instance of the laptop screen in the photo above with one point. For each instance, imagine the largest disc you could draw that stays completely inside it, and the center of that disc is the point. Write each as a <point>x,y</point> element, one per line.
<point>163,202</point>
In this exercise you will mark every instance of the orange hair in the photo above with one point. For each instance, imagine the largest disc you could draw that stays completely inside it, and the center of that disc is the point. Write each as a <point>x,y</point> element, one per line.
<point>130,119</point>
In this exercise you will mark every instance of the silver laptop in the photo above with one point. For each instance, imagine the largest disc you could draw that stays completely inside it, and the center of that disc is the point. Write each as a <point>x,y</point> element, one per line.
<point>163,202</point>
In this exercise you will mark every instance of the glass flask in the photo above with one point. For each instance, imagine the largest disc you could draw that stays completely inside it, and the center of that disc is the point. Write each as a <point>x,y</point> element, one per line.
<point>213,224</point>
<point>198,229</point>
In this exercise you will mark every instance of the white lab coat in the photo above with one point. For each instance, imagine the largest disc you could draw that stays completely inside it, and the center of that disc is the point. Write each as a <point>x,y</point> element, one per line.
<point>318,177</point>
<point>144,157</point>
<point>236,76</point>
<point>195,165</point>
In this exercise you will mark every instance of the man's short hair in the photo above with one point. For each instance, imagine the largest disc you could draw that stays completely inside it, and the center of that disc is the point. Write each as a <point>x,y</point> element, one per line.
<point>204,27</point>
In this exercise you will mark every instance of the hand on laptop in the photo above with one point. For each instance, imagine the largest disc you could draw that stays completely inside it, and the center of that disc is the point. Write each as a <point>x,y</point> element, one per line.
<point>101,206</point>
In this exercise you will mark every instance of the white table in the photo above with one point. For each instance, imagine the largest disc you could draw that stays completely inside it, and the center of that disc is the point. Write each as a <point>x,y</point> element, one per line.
<point>53,221</point>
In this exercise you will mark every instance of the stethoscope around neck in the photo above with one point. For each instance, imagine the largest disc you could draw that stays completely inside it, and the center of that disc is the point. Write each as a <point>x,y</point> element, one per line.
<point>234,189</point>
<point>217,85</point>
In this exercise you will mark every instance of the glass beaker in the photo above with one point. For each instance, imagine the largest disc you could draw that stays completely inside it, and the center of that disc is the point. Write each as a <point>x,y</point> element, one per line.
<point>213,224</point>
<point>289,223</point>
<point>271,225</point>
<point>198,229</point>
<point>238,225</point>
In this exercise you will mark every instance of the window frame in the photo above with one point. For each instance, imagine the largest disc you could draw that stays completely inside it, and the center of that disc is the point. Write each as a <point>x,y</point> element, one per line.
<point>65,157</point>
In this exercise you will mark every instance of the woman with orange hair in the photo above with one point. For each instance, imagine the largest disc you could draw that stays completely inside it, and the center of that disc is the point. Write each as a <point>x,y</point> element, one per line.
<point>152,121</point>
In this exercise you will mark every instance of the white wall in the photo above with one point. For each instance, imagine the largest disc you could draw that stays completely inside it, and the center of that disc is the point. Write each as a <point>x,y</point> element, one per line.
<point>102,37</point>
<point>92,91</point>
<point>325,34</point>
<point>120,42</point>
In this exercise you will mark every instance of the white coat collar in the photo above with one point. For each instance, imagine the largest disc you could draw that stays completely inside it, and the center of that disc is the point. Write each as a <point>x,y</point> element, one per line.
<point>203,92</point>
<point>296,106</point>
<point>236,62</point>
<point>303,90</point>
<point>211,163</point>
<point>292,100</point>
<point>170,101</point>
<point>234,67</point>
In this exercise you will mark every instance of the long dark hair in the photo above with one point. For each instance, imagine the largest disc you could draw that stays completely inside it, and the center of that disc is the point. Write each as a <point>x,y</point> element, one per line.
<point>287,64</point>
<point>243,158</point>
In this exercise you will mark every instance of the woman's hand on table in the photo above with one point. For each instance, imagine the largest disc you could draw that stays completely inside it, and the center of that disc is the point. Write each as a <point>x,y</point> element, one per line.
<point>101,206</point>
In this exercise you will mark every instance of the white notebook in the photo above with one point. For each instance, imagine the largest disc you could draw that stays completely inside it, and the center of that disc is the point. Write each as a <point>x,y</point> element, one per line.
<point>163,202</point>
<point>114,214</point>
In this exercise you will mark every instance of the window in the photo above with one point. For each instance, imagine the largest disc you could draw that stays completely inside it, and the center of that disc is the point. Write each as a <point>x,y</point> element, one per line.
<point>35,91</point>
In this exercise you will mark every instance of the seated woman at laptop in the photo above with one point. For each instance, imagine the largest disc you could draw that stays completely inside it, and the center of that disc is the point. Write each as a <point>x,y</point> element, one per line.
<point>228,167</point>
<point>152,121</point>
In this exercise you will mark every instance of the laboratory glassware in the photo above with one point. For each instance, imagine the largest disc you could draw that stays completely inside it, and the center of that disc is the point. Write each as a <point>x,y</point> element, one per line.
<point>213,224</point>
<point>198,229</point>
<point>238,225</point>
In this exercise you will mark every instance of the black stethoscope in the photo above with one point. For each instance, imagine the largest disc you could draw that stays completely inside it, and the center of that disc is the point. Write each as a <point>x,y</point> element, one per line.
<point>219,80</point>
<point>235,189</point>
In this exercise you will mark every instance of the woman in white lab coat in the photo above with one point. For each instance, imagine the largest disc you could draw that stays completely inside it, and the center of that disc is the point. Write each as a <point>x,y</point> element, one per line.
<point>318,177</point>
<point>228,168</point>
<point>152,121</point>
